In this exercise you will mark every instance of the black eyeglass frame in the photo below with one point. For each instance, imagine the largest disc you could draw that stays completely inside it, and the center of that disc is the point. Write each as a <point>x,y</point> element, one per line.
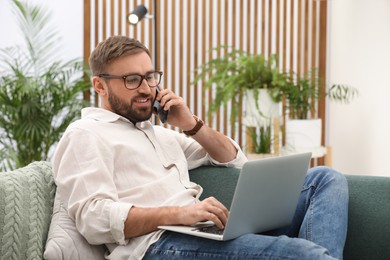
<point>143,77</point>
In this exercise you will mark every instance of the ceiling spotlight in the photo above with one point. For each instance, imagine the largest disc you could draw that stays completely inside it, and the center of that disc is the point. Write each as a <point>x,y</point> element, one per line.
<point>138,13</point>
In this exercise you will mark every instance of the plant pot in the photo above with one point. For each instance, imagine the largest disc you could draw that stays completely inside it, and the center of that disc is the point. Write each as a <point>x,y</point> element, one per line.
<point>262,115</point>
<point>303,133</point>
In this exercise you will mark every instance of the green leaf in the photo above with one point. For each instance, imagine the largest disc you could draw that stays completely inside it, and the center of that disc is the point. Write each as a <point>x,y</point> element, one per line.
<point>234,73</point>
<point>39,94</point>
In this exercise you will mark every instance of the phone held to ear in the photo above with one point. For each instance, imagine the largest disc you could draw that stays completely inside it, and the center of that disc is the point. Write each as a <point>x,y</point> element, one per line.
<point>159,110</point>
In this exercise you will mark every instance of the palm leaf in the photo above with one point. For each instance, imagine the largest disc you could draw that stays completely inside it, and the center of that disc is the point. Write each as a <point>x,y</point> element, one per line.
<point>39,94</point>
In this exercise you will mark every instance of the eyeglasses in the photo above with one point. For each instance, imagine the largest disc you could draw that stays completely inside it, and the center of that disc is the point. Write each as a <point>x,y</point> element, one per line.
<point>133,81</point>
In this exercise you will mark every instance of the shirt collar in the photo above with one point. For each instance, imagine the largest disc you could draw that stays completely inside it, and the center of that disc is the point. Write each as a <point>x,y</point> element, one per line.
<point>100,114</point>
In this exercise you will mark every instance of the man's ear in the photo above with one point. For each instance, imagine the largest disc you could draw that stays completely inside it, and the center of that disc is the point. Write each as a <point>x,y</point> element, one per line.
<point>99,85</point>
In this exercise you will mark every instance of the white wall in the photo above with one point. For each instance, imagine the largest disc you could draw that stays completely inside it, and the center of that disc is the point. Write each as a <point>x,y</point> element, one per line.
<point>359,55</point>
<point>67,15</point>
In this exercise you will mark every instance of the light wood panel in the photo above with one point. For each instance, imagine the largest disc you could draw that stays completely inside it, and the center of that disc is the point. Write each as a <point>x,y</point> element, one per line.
<point>186,31</point>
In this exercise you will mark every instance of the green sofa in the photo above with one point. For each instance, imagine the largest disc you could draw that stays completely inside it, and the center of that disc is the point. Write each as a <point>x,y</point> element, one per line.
<point>27,196</point>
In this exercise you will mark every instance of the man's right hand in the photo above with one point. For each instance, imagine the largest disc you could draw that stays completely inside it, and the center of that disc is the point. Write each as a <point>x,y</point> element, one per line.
<point>208,209</point>
<point>141,221</point>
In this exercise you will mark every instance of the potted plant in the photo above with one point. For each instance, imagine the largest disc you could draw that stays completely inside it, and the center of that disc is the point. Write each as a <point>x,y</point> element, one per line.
<point>302,93</point>
<point>240,74</point>
<point>260,142</point>
<point>39,95</point>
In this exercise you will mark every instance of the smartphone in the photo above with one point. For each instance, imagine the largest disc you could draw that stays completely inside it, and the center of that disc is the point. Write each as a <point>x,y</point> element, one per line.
<point>159,110</point>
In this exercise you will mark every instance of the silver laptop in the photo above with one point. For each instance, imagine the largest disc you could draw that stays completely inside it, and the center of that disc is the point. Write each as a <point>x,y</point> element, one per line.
<point>265,198</point>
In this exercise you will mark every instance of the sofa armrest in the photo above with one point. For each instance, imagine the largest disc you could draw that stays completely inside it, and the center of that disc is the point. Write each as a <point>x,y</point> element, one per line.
<point>369,218</point>
<point>219,182</point>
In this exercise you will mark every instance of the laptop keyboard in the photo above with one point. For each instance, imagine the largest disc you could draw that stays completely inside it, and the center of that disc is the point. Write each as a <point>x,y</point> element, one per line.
<point>213,229</point>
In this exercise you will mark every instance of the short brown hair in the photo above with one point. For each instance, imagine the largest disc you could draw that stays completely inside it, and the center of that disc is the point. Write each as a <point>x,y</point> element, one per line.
<point>111,49</point>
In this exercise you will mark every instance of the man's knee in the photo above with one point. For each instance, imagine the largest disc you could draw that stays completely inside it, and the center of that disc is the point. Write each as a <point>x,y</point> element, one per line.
<point>327,173</point>
<point>303,249</point>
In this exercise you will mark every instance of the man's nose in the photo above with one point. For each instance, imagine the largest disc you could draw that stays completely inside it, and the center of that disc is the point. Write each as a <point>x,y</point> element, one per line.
<point>144,87</point>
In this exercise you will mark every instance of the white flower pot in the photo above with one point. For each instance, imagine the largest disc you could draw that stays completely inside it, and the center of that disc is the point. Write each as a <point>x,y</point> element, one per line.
<point>303,133</point>
<point>262,116</point>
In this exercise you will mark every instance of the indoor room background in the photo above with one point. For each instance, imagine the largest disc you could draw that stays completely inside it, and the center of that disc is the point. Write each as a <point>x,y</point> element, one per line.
<point>357,54</point>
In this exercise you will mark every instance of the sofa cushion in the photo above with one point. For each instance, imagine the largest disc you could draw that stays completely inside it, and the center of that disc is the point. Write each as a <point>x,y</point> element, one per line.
<point>65,242</point>
<point>26,199</point>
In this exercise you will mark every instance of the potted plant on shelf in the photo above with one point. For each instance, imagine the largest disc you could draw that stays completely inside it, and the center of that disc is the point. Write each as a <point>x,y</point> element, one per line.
<point>39,94</point>
<point>240,74</point>
<point>302,94</point>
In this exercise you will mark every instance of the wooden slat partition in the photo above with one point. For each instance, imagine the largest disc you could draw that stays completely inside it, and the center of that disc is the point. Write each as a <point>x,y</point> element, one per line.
<point>186,31</point>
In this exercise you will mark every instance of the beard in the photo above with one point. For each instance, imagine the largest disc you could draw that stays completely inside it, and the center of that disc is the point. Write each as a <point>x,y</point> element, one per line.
<point>124,109</point>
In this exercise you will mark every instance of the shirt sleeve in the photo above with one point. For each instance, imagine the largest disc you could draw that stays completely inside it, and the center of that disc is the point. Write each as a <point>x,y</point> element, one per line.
<point>197,156</point>
<point>236,162</point>
<point>83,172</point>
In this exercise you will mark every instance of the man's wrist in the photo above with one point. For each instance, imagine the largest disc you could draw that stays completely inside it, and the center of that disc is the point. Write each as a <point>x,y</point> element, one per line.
<point>195,129</point>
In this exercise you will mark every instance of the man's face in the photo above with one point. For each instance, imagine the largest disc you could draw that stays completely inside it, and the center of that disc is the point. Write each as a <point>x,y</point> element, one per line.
<point>135,105</point>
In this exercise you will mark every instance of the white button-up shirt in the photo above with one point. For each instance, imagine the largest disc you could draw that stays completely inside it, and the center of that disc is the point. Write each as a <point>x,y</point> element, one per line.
<point>104,164</point>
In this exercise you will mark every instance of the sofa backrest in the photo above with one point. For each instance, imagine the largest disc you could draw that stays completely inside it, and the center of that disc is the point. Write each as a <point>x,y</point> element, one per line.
<point>368,218</point>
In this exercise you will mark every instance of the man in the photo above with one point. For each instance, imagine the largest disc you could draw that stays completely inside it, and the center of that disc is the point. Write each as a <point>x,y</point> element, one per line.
<point>120,176</point>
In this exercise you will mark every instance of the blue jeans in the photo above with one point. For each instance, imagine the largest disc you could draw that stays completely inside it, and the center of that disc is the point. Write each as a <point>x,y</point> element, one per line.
<point>318,229</point>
